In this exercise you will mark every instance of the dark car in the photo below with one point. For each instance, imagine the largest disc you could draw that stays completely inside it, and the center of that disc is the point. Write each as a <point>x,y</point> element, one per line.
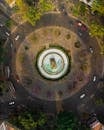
<point>81,26</point>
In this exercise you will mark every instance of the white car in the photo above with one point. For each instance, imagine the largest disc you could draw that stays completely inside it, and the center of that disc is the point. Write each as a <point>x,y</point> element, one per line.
<point>94,78</point>
<point>8,34</point>
<point>82,96</point>
<point>91,50</point>
<point>11,45</point>
<point>17,37</point>
<point>7,71</point>
<point>79,24</point>
<point>11,103</point>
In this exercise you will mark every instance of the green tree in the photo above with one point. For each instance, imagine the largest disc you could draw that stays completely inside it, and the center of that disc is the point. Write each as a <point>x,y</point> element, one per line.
<point>9,23</point>
<point>3,88</point>
<point>28,119</point>
<point>32,13</point>
<point>96,29</point>
<point>68,121</point>
<point>98,5</point>
<point>45,5</point>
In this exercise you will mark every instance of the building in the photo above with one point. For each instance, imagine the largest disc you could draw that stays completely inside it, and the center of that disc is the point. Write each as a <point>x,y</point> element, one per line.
<point>11,3</point>
<point>97,126</point>
<point>87,2</point>
<point>6,126</point>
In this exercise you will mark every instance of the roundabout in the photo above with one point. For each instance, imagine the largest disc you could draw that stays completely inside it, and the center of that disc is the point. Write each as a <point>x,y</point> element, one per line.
<point>57,69</point>
<point>51,31</point>
<point>54,66</point>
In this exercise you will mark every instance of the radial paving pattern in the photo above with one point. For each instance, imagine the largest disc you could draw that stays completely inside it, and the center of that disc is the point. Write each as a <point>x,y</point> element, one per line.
<point>52,47</point>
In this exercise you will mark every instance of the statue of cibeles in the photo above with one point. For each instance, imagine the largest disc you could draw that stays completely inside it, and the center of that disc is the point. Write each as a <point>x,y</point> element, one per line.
<point>53,63</point>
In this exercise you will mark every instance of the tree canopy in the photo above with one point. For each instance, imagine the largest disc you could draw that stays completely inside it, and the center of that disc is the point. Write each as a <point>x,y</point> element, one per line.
<point>31,11</point>
<point>68,121</point>
<point>98,5</point>
<point>27,119</point>
<point>97,29</point>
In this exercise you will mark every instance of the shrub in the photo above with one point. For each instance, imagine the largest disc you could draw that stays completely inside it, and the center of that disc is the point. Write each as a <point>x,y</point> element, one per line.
<point>77,44</point>
<point>68,36</point>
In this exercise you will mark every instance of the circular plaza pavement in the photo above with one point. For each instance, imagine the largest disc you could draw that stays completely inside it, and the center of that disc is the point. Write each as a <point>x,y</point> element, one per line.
<point>45,47</point>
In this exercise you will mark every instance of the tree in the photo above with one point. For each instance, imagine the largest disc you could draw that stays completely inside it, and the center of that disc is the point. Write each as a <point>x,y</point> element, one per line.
<point>45,5</point>
<point>32,12</point>
<point>28,119</point>
<point>98,5</point>
<point>68,121</point>
<point>3,88</point>
<point>32,15</point>
<point>97,29</point>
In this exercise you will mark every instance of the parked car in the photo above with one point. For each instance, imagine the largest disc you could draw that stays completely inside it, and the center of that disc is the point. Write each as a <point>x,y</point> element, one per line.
<point>11,45</point>
<point>8,34</point>
<point>7,71</point>
<point>17,37</point>
<point>94,78</point>
<point>82,96</point>
<point>11,103</point>
<point>91,50</point>
<point>81,26</point>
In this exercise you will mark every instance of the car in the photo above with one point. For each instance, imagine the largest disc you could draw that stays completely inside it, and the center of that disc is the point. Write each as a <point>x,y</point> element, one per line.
<point>7,71</point>
<point>94,78</point>
<point>91,50</point>
<point>79,24</point>
<point>82,95</point>
<point>11,103</point>
<point>80,33</point>
<point>11,45</point>
<point>8,34</point>
<point>17,37</point>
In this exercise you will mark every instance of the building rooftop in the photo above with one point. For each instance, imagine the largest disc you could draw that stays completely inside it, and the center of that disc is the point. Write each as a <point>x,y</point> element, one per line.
<point>6,126</point>
<point>97,126</point>
<point>86,2</point>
